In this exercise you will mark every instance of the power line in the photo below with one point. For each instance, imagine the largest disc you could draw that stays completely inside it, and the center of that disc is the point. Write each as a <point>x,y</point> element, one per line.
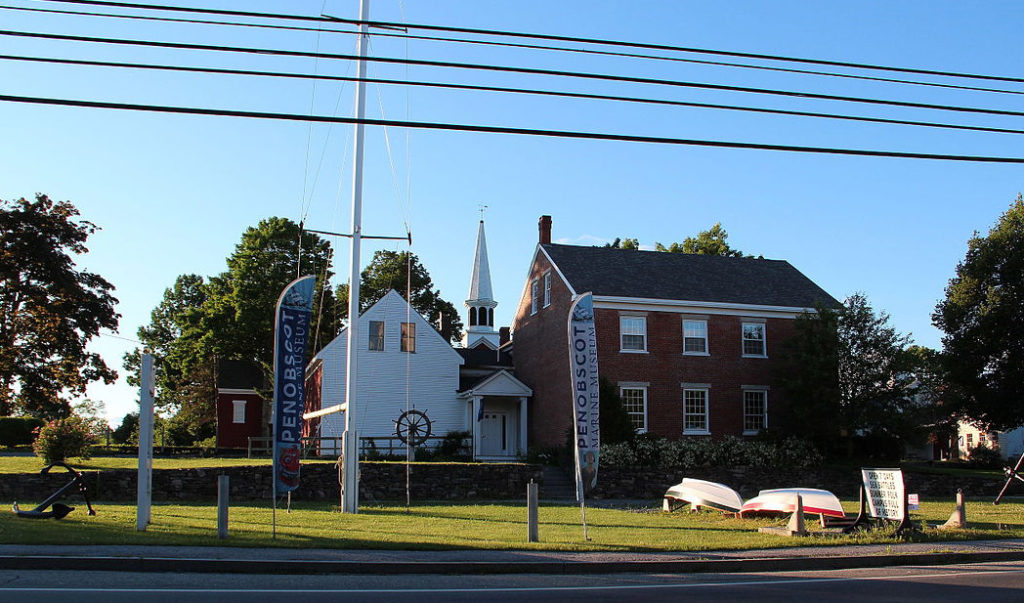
<point>503,89</point>
<point>550,37</point>
<point>509,69</point>
<point>586,51</point>
<point>505,130</point>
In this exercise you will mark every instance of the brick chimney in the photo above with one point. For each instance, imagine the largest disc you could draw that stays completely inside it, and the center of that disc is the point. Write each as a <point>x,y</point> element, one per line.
<point>504,335</point>
<point>545,230</point>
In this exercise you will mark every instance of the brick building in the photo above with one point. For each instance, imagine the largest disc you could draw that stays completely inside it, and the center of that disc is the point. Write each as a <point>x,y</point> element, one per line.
<point>692,342</point>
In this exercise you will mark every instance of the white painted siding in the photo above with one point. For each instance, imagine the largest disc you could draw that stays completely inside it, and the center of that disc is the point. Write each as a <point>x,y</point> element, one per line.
<point>428,378</point>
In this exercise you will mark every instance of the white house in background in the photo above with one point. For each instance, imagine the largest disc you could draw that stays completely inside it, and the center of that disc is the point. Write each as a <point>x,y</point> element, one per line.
<point>405,363</point>
<point>1010,444</point>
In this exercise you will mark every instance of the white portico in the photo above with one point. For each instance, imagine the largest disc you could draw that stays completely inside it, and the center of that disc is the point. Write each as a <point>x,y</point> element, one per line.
<point>498,409</point>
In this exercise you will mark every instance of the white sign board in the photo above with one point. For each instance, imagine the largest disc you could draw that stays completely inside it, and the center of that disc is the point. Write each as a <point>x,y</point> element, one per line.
<point>885,493</point>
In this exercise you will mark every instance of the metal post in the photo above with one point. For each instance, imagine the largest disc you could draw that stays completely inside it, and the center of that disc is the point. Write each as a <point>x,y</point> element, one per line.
<point>144,491</point>
<point>223,490</point>
<point>350,489</point>
<point>532,492</point>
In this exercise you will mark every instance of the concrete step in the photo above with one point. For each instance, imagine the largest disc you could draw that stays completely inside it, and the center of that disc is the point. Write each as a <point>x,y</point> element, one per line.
<point>557,484</point>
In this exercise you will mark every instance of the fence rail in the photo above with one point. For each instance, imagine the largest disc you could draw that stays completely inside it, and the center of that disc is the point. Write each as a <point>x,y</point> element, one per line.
<point>370,447</point>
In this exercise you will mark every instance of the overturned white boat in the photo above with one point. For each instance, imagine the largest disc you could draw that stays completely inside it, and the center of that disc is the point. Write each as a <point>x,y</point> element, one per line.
<point>783,501</point>
<point>699,493</point>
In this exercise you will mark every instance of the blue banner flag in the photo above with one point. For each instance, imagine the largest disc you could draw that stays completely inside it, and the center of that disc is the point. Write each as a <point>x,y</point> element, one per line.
<point>585,398</point>
<point>291,332</point>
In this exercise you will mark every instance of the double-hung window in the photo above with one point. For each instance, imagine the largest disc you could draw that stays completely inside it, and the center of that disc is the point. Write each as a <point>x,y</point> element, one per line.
<point>633,333</point>
<point>376,335</point>
<point>634,400</point>
<point>755,411</point>
<point>534,292</point>
<point>695,411</point>
<point>695,337</point>
<point>753,339</point>
<point>239,411</point>
<point>409,337</point>
<point>547,289</point>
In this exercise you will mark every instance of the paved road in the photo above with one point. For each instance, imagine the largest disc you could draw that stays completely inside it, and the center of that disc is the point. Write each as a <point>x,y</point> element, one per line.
<point>988,582</point>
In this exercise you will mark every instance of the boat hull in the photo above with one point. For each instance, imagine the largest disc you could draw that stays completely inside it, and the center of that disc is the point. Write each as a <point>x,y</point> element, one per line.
<point>699,493</point>
<point>783,501</point>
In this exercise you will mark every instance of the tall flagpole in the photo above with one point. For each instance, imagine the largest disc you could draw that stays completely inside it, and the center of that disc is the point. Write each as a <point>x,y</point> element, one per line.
<point>350,441</point>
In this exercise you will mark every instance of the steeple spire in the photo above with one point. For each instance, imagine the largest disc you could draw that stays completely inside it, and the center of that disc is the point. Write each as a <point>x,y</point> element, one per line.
<point>480,303</point>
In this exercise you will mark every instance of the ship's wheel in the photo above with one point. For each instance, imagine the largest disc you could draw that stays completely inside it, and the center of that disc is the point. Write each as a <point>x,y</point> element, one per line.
<point>412,427</point>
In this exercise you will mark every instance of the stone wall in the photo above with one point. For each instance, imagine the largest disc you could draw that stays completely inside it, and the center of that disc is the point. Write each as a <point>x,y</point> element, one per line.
<point>378,482</point>
<point>441,481</point>
<point>643,482</point>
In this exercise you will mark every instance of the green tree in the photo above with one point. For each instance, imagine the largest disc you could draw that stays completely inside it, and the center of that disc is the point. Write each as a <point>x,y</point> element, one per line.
<point>128,431</point>
<point>399,271</point>
<point>619,243</point>
<point>849,373</point>
<point>201,322</point>
<point>707,242</point>
<point>982,317</point>
<point>49,310</point>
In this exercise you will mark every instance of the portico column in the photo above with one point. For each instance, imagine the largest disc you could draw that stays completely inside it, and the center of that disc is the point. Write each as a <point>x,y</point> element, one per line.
<point>476,426</point>
<point>522,425</point>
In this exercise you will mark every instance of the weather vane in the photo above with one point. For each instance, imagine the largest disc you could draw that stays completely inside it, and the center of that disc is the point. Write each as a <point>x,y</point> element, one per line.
<point>483,208</point>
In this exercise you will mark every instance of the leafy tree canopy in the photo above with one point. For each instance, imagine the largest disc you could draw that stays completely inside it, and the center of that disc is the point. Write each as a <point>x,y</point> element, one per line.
<point>399,271</point>
<point>624,244</point>
<point>982,317</point>
<point>848,372</point>
<point>200,321</point>
<point>49,309</point>
<point>707,242</point>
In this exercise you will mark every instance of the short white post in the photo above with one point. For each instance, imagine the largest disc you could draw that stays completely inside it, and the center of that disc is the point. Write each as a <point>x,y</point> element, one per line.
<point>145,479</point>
<point>223,489</point>
<point>532,491</point>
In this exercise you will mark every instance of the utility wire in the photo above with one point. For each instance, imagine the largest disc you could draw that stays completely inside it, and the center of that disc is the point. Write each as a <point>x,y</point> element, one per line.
<point>508,69</point>
<point>587,51</point>
<point>505,130</point>
<point>549,37</point>
<point>503,89</point>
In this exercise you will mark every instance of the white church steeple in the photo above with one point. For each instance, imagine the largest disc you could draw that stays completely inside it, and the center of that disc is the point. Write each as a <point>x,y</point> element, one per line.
<point>480,304</point>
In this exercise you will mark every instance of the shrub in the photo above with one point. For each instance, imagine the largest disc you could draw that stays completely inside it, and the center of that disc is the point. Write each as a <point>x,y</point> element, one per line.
<point>985,458</point>
<point>689,453</point>
<point>62,439</point>
<point>18,431</point>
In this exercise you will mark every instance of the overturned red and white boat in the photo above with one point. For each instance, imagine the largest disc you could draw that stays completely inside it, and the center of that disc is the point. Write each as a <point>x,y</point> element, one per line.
<point>699,493</point>
<point>783,501</point>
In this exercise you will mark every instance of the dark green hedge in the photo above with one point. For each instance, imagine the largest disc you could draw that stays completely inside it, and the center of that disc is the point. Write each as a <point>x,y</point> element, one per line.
<point>17,431</point>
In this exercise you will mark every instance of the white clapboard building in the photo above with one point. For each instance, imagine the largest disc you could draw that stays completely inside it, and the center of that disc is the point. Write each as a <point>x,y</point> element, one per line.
<point>405,364</point>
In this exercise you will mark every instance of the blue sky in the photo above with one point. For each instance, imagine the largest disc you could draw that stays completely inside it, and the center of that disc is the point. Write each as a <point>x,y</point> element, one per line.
<point>173,194</point>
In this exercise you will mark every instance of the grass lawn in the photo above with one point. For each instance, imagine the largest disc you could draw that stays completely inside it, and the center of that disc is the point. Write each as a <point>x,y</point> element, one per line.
<point>471,526</point>
<point>32,464</point>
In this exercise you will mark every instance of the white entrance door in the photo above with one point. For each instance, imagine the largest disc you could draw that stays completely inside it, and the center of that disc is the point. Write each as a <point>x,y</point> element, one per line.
<point>494,434</point>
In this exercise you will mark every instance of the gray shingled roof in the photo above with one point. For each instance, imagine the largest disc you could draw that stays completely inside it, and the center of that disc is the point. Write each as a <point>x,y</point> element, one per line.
<point>686,277</point>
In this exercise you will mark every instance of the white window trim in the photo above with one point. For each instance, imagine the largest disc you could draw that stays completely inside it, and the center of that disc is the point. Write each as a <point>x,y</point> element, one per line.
<point>764,416</point>
<point>622,348</point>
<point>707,346</point>
<point>764,339</point>
<point>643,387</point>
<point>534,290</point>
<point>547,288</point>
<point>238,411</point>
<point>707,410</point>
